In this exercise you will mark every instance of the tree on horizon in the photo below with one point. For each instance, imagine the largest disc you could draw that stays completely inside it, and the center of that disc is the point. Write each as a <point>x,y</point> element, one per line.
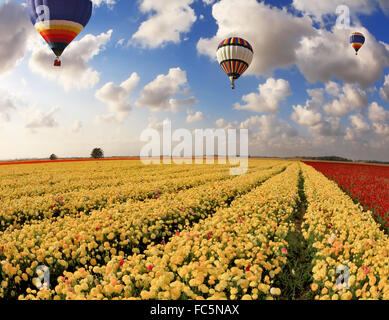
<point>97,153</point>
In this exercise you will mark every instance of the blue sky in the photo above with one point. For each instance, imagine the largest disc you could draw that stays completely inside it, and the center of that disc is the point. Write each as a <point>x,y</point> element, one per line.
<point>299,54</point>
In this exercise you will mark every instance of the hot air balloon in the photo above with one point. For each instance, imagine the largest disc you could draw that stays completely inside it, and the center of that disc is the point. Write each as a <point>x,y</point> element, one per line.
<point>357,40</point>
<point>59,21</point>
<point>235,56</point>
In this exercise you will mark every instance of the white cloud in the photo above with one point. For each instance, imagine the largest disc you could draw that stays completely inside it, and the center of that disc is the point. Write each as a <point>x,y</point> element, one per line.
<point>306,117</point>
<point>274,34</point>
<point>351,98</point>
<point>310,116</point>
<point>167,20</point>
<point>77,126</point>
<point>194,117</point>
<point>8,104</point>
<point>109,3</point>
<point>270,95</point>
<point>120,42</point>
<point>379,117</point>
<point>333,88</point>
<point>40,119</point>
<point>359,127</point>
<point>74,72</point>
<point>266,129</point>
<point>208,2</point>
<point>116,98</point>
<point>160,93</point>
<point>384,91</point>
<point>15,31</point>
<point>318,9</point>
<point>328,55</point>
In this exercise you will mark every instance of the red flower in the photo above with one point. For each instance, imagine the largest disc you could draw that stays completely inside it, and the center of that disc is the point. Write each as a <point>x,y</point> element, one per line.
<point>150,267</point>
<point>366,270</point>
<point>121,262</point>
<point>209,235</point>
<point>248,268</point>
<point>177,233</point>
<point>163,242</point>
<point>2,248</point>
<point>267,245</point>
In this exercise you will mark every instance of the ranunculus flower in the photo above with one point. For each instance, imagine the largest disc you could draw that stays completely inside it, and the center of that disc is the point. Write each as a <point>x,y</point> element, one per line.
<point>284,251</point>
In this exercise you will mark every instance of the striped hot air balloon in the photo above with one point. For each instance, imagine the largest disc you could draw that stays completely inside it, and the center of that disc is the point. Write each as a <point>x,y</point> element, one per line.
<point>235,56</point>
<point>357,40</point>
<point>59,21</point>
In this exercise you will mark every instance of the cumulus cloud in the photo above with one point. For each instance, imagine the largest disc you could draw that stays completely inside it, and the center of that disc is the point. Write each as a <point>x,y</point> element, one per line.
<point>116,96</point>
<point>306,117</point>
<point>15,31</point>
<point>310,116</point>
<point>379,118</point>
<point>8,104</point>
<point>167,20</point>
<point>267,128</point>
<point>384,91</point>
<point>160,93</point>
<point>359,127</point>
<point>274,34</point>
<point>351,98</point>
<point>75,71</point>
<point>319,9</point>
<point>194,117</point>
<point>333,88</point>
<point>109,3</point>
<point>77,126</point>
<point>270,95</point>
<point>40,119</point>
<point>328,55</point>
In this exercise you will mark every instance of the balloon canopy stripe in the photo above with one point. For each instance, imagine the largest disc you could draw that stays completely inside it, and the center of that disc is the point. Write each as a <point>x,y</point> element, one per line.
<point>74,10</point>
<point>234,68</point>
<point>357,39</point>
<point>59,24</point>
<point>58,47</point>
<point>236,42</point>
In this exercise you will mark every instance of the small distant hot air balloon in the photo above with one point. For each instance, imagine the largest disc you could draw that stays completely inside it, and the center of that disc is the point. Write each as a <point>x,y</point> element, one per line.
<point>235,56</point>
<point>357,40</point>
<point>59,21</point>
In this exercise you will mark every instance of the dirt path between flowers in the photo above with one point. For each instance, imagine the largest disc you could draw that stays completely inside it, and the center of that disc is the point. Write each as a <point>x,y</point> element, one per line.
<point>296,276</point>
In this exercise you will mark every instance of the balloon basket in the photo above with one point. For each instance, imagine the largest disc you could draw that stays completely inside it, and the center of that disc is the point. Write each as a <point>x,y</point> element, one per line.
<point>57,62</point>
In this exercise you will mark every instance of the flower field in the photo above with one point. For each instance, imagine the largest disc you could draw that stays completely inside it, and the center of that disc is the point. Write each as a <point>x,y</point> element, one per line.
<point>367,184</point>
<point>122,230</point>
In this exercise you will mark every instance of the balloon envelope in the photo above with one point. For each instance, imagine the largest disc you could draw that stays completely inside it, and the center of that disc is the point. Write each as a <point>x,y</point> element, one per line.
<point>357,40</point>
<point>235,56</point>
<point>59,21</point>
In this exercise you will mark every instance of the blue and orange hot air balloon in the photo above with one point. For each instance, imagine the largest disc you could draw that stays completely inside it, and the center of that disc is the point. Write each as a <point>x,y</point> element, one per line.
<point>235,56</point>
<point>59,21</point>
<point>357,40</point>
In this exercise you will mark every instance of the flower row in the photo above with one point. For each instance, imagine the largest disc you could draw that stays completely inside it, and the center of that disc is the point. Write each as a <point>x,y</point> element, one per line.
<point>16,212</point>
<point>352,253</point>
<point>92,239</point>
<point>234,254</point>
